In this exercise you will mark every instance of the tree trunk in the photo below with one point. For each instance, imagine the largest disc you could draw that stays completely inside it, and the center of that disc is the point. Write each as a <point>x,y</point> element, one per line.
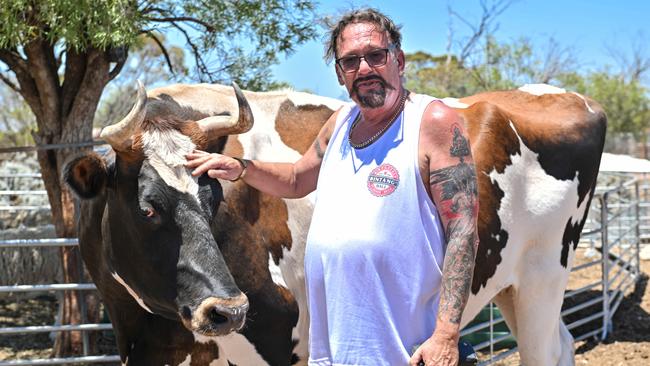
<point>63,216</point>
<point>51,161</point>
<point>64,107</point>
<point>68,121</point>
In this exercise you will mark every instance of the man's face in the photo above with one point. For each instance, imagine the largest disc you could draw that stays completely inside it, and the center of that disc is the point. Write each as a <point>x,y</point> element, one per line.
<point>369,86</point>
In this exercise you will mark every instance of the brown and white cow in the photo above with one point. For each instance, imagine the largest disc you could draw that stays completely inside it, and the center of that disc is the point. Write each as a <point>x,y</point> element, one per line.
<point>536,150</point>
<point>181,262</point>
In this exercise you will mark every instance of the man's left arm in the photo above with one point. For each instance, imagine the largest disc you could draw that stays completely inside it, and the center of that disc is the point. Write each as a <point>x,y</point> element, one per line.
<point>453,189</point>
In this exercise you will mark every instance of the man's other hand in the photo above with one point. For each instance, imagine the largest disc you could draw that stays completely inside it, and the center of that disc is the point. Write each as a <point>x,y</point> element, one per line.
<point>439,350</point>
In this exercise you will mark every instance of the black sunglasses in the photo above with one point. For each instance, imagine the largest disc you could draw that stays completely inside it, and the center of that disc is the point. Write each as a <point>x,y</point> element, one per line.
<point>374,58</point>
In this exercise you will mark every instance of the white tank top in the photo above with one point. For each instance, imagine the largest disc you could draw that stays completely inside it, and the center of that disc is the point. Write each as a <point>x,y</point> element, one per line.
<point>375,248</point>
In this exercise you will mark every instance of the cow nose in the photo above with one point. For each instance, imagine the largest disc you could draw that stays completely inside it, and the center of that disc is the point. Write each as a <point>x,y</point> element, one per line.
<point>219,316</point>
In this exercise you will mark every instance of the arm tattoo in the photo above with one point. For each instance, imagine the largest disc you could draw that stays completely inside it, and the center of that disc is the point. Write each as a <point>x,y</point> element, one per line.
<point>319,150</point>
<point>457,207</point>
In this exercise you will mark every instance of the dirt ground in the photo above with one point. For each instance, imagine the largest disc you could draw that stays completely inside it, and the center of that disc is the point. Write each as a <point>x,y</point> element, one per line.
<point>629,344</point>
<point>37,311</point>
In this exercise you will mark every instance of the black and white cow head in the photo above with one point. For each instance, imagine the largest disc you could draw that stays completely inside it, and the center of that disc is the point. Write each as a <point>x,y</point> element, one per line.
<point>155,227</point>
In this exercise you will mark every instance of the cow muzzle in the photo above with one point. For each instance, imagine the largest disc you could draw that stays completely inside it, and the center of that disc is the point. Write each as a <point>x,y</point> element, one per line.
<point>216,316</point>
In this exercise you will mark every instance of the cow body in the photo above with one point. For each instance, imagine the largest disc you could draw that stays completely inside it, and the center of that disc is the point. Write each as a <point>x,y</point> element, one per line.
<point>537,152</point>
<point>163,246</point>
<point>536,156</point>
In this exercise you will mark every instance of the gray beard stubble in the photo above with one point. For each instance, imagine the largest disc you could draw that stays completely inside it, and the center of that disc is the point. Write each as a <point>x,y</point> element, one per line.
<point>374,98</point>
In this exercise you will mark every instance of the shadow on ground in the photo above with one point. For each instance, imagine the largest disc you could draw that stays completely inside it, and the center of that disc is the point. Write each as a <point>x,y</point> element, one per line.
<point>631,323</point>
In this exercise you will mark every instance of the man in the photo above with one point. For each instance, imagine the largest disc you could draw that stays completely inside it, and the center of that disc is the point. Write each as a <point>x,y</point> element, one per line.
<point>397,196</point>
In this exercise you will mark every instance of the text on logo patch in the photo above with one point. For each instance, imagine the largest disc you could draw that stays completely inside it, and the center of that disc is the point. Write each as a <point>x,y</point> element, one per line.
<point>383,180</point>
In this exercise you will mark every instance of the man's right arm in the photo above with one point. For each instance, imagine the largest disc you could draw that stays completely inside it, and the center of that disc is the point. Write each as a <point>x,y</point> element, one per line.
<point>289,180</point>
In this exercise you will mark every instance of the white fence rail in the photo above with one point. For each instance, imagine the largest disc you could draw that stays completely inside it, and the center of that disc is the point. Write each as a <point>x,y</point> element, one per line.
<point>614,228</point>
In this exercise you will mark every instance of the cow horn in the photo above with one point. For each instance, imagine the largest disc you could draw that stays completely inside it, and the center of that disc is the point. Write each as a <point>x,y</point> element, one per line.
<point>217,126</point>
<point>119,135</point>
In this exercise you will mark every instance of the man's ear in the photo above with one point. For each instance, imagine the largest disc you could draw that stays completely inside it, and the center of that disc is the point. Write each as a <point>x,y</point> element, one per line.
<point>401,61</point>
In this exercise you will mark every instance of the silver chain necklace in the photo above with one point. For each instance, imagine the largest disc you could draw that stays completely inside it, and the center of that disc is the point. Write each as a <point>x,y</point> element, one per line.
<point>377,135</point>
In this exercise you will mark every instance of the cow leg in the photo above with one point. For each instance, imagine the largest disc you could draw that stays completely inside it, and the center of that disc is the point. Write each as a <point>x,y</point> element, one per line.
<point>542,337</point>
<point>505,301</point>
<point>566,339</point>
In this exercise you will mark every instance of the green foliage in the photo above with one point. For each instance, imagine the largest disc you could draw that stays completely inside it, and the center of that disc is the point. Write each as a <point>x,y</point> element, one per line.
<point>509,65</point>
<point>246,37</point>
<point>626,102</point>
<point>147,65</point>
<point>79,23</point>
<point>434,75</point>
<point>230,40</point>
<point>498,66</point>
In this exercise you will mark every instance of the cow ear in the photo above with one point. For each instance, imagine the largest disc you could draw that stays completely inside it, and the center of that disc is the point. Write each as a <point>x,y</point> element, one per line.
<point>86,175</point>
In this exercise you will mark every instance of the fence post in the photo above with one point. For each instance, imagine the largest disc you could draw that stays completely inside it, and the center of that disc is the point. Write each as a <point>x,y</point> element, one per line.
<point>638,227</point>
<point>491,329</point>
<point>605,263</point>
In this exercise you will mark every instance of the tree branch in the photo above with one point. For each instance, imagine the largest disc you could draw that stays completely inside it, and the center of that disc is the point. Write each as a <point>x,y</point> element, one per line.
<point>119,55</point>
<point>95,78</point>
<point>116,70</point>
<point>489,14</point>
<point>13,60</point>
<point>28,88</point>
<point>9,83</point>
<point>467,23</point>
<point>163,50</point>
<point>173,20</point>
<point>43,70</point>
<point>75,68</point>
<point>450,36</point>
<point>198,59</point>
<point>635,65</point>
<point>151,9</point>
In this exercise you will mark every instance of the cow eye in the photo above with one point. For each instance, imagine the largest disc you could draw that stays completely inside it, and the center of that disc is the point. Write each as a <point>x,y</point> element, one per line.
<point>151,216</point>
<point>148,211</point>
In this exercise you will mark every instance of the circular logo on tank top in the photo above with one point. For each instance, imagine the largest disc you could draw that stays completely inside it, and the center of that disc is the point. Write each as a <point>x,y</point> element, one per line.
<point>383,180</point>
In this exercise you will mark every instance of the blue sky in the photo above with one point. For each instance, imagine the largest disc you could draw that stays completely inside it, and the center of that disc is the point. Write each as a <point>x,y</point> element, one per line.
<point>586,26</point>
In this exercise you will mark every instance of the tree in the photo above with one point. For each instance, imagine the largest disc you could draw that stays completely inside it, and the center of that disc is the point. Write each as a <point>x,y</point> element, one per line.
<point>455,72</point>
<point>442,76</point>
<point>147,64</point>
<point>500,66</point>
<point>59,55</point>
<point>624,99</point>
<point>510,65</point>
<point>634,63</point>
<point>477,62</point>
